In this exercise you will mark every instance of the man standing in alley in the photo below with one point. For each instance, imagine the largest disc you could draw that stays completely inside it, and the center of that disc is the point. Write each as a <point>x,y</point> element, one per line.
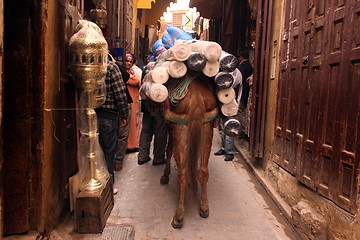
<point>114,109</point>
<point>227,142</point>
<point>124,127</point>
<point>153,126</point>
<point>246,71</point>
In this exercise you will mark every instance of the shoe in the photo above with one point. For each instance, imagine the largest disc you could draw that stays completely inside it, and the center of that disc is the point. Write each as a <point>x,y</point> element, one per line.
<point>158,163</point>
<point>115,190</point>
<point>244,136</point>
<point>132,150</point>
<point>144,161</point>
<point>118,166</point>
<point>220,152</point>
<point>229,157</point>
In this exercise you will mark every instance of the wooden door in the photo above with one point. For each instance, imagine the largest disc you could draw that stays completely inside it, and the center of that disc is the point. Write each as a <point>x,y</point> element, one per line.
<point>317,123</point>
<point>129,25</point>
<point>17,117</point>
<point>261,76</point>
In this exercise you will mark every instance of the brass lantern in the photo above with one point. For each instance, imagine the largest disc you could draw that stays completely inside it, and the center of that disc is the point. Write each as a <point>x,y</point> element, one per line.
<point>88,60</point>
<point>99,14</point>
<point>88,51</point>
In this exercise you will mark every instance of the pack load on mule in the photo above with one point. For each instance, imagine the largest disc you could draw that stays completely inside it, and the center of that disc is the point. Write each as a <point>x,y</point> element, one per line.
<point>197,88</point>
<point>200,56</point>
<point>179,55</point>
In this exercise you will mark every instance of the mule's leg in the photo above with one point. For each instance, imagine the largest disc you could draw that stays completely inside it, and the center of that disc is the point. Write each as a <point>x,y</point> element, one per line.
<point>204,171</point>
<point>169,152</point>
<point>179,154</point>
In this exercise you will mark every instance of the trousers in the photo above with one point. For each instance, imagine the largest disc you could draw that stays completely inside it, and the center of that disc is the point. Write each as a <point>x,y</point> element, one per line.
<point>153,126</point>
<point>122,138</point>
<point>107,139</point>
<point>227,143</point>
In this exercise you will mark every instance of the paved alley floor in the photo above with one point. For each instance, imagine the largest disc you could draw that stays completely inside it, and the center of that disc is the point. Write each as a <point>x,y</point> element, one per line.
<point>239,207</point>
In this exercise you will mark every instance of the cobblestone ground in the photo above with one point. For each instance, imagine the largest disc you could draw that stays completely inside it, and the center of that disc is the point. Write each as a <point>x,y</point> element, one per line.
<point>239,207</point>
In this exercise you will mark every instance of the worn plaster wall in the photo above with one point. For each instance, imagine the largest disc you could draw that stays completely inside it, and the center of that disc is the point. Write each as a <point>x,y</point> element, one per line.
<point>52,207</point>
<point>273,77</point>
<point>157,10</point>
<point>134,26</point>
<point>60,134</point>
<point>140,24</point>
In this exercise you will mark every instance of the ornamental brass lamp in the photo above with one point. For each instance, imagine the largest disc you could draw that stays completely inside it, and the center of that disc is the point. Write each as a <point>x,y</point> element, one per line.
<point>88,64</point>
<point>99,14</point>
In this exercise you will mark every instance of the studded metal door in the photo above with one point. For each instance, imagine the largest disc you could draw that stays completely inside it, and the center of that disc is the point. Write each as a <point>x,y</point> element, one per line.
<point>317,134</point>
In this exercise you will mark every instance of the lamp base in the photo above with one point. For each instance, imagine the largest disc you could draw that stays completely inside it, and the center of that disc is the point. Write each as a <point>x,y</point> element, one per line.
<point>93,185</point>
<point>93,209</point>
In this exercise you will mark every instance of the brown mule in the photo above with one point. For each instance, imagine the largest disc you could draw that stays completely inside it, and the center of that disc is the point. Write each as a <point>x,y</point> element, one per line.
<point>190,139</point>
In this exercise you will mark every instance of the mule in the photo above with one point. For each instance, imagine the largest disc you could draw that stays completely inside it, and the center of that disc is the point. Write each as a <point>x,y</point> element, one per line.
<point>190,139</point>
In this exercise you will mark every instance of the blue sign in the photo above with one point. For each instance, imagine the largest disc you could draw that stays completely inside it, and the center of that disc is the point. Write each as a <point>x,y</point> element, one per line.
<point>119,55</point>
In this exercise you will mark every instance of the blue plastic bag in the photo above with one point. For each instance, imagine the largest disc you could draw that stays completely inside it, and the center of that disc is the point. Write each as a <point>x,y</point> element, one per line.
<point>174,33</point>
<point>157,44</point>
<point>178,33</point>
<point>167,40</point>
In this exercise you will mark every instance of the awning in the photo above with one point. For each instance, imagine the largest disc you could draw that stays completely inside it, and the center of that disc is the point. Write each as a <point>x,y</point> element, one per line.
<point>210,9</point>
<point>144,4</point>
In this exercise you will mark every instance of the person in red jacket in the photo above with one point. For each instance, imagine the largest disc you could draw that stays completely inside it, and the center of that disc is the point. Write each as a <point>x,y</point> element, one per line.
<point>133,85</point>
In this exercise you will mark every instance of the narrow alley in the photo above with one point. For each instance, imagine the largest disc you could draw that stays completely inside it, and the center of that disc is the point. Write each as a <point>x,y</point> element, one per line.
<point>239,207</point>
<point>287,71</point>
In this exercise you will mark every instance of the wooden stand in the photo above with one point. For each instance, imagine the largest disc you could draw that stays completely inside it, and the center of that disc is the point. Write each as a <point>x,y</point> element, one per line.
<point>93,209</point>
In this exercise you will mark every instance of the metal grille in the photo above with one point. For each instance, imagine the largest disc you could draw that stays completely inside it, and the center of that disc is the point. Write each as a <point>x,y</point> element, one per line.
<point>114,233</point>
<point>177,19</point>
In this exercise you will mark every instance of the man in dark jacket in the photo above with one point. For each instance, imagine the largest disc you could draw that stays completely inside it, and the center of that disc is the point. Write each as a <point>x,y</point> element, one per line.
<point>123,132</point>
<point>246,71</point>
<point>114,110</point>
<point>153,126</point>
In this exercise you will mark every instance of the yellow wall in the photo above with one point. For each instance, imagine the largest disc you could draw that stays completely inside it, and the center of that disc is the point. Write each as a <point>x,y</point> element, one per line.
<point>59,119</point>
<point>273,75</point>
<point>149,17</point>
<point>145,4</point>
<point>156,12</point>
<point>134,25</point>
<point>50,210</point>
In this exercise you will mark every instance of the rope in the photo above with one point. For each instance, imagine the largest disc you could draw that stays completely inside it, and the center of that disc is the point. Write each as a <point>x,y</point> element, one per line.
<point>180,91</point>
<point>161,61</point>
<point>182,119</point>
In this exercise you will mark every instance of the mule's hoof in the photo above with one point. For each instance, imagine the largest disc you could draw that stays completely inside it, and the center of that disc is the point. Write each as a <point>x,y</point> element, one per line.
<point>164,180</point>
<point>176,223</point>
<point>204,213</point>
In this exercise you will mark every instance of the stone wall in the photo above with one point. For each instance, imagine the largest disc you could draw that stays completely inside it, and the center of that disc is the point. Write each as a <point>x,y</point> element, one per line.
<point>314,215</point>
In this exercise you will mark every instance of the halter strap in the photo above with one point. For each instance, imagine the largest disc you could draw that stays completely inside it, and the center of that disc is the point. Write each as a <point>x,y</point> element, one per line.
<point>182,119</point>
